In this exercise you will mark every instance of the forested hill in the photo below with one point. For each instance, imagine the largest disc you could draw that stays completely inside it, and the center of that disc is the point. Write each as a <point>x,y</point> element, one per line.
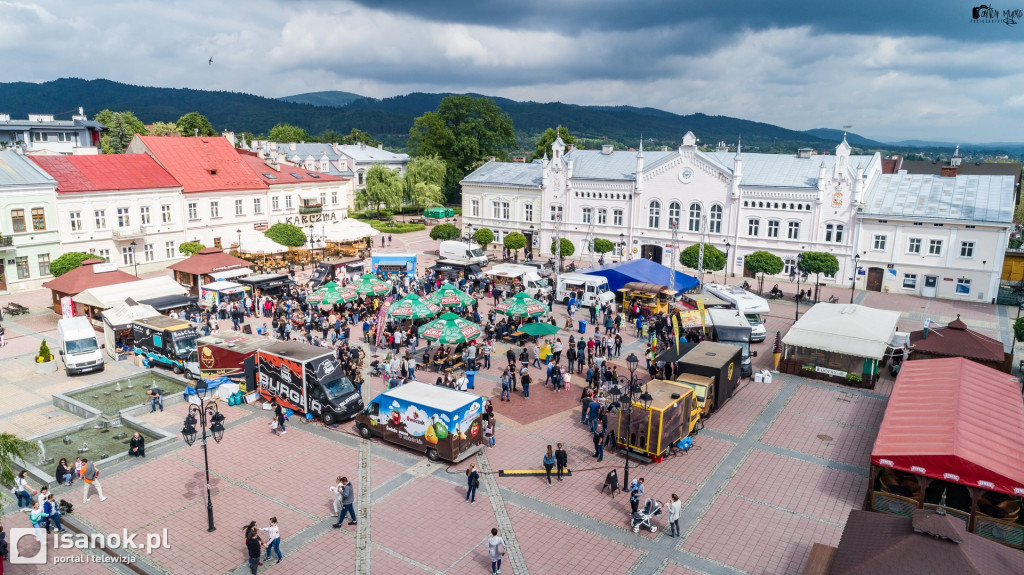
<point>390,119</point>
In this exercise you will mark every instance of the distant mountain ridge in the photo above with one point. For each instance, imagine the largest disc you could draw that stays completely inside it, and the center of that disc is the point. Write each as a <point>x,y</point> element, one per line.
<point>332,98</point>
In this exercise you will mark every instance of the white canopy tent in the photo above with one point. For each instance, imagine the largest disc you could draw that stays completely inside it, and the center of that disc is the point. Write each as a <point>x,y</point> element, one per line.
<point>351,230</point>
<point>121,317</point>
<point>106,297</point>
<point>261,244</point>
<point>846,329</point>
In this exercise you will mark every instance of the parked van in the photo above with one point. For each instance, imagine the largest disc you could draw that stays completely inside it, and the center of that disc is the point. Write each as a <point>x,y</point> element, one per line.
<point>444,423</point>
<point>461,251</point>
<point>78,346</point>
<point>543,269</point>
<point>525,277</point>
<point>589,290</point>
<point>751,306</point>
<point>731,327</point>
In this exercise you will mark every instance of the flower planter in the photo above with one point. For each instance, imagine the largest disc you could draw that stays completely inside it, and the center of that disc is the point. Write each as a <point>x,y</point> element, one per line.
<point>46,367</point>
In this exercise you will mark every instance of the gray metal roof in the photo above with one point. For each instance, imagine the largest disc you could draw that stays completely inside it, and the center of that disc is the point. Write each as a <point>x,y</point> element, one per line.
<point>371,154</point>
<point>54,124</point>
<point>15,170</point>
<point>507,174</point>
<point>784,170</point>
<point>618,165</point>
<point>968,198</point>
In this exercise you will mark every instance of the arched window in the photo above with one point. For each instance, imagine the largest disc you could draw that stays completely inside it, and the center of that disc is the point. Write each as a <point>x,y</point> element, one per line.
<point>674,210</point>
<point>693,223</point>
<point>654,214</point>
<point>715,221</point>
<point>361,180</point>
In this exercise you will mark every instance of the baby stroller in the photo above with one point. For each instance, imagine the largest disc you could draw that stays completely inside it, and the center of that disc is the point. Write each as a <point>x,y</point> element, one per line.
<point>643,517</point>
<point>375,369</point>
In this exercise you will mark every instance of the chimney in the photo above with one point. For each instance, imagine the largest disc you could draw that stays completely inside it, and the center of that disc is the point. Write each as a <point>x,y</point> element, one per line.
<point>292,146</point>
<point>380,146</point>
<point>950,169</point>
<point>606,149</point>
<point>721,147</point>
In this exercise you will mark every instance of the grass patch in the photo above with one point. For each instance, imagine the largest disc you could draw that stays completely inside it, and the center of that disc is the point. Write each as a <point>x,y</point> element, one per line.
<point>394,227</point>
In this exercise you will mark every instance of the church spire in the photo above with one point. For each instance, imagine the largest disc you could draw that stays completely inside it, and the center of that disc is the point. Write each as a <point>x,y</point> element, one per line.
<point>739,145</point>
<point>641,154</point>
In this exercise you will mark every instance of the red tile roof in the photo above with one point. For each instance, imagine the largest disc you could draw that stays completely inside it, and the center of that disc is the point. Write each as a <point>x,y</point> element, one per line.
<point>284,175</point>
<point>83,277</point>
<point>209,260</point>
<point>955,340</point>
<point>105,172</point>
<point>203,164</point>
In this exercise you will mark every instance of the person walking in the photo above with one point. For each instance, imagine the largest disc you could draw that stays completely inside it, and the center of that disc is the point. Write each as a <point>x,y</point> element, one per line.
<point>549,462</point>
<point>636,491</point>
<point>599,444</point>
<point>348,499</point>
<point>338,488</point>
<point>489,430</point>
<point>673,516</point>
<point>496,550</point>
<point>274,539</point>
<point>506,386</point>
<point>91,476</point>
<point>561,459</point>
<point>472,482</point>
<point>253,545</point>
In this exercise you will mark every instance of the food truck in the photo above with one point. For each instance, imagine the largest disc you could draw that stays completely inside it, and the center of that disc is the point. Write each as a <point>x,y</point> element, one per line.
<point>656,297</point>
<point>590,290</point>
<point>329,271</point>
<point>515,278</point>
<point>387,264</point>
<point>211,295</point>
<point>452,270</point>
<point>441,422</point>
<point>226,354</point>
<point>267,284</point>
<point>168,342</point>
<point>729,326</point>
<point>305,379</point>
<point>673,414</point>
<point>718,361</point>
<point>702,389</point>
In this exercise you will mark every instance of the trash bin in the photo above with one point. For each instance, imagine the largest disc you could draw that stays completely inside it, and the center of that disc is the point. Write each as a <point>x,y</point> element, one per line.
<point>470,376</point>
<point>583,326</point>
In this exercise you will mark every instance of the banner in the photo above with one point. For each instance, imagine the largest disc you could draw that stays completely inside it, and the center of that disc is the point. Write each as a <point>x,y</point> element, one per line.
<point>703,312</point>
<point>675,329</point>
<point>67,308</point>
<point>382,312</point>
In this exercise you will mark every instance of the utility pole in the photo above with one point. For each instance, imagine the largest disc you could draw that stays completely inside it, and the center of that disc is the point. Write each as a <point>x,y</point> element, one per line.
<point>674,255</point>
<point>700,254</point>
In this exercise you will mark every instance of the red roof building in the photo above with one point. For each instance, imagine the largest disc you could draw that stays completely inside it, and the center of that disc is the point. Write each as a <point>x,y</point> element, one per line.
<point>207,266</point>
<point>200,164</point>
<point>109,172</point>
<point>85,276</point>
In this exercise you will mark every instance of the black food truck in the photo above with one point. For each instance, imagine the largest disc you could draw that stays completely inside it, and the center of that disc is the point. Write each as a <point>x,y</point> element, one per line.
<point>169,342</point>
<point>453,270</point>
<point>330,271</point>
<point>305,379</point>
<point>268,284</point>
<point>721,362</point>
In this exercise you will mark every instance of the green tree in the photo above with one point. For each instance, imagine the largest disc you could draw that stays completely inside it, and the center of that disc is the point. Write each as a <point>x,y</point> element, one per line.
<point>514,242</point>
<point>422,182</point>
<point>567,247</point>
<point>818,263</point>
<point>192,121</point>
<point>462,131</point>
<point>1018,329</point>
<point>714,259</point>
<point>445,232</point>
<point>1018,213</point>
<point>244,138</point>
<point>162,128</point>
<point>383,189</point>
<point>356,136</point>
<point>286,235</point>
<point>67,262</point>
<point>483,236</point>
<point>603,246</point>
<point>288,133</point>
<point>189,249</point>
<point>547,138</point>
<point>13,452</point>
<point>761,263</point>
<point>121,128</point>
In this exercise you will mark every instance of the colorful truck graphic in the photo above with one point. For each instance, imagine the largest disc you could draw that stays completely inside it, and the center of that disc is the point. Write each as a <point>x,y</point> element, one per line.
<point>169,342</point>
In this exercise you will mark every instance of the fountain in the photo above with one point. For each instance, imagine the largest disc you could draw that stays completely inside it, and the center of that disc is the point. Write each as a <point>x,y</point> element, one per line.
<point>115,397</point>
<point>67,440</point>
<point>84,448</point>
<point>43,460</point>
<point>118,388</point>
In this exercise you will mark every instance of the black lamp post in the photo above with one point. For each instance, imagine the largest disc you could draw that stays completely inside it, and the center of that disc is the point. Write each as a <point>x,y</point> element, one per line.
<point>198,413</point>
<point>632,392</point>
<point>725,273</point>
<point>622,246</point>
<point>310,244</point>
<point>856,268</point>
<point>239,232</point>
<point>800,274</point>
<point>135,260</point>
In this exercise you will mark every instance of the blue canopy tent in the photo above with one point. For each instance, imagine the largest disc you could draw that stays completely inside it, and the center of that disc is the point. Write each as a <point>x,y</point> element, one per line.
<point>641,270</point>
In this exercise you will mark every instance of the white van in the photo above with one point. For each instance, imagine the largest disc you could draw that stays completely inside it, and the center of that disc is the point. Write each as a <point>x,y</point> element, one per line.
<point>590,290</point>
<point>752,306</point>
<point>461,251</point>
<point>78,345</point>
<point>526,276</point>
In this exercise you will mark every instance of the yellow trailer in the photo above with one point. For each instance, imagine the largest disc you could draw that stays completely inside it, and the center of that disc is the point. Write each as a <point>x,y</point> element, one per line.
<point>673,414</point>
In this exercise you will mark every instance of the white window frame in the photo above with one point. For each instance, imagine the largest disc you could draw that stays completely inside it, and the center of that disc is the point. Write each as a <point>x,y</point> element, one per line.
<point>909,279</point>
<point>557,213</point>
<point>753,227</point>
<point>75,218</point>
<point>617,217</point>
<point>144,216</point>
<point>127,255</point>
<point>100,218</point>
<point>287,201</point>
<point>587,215</point>
<point>967,249</point>
<point>239,207</point>
<point>694,213</point>
<point>914,245</point>
<point>257,205</point>
<point>935,248</point>
<point>275,202</point>
<point>474,208</point>
<point>793,230</point>
<point>963,286</point>
<point>124,217</point>
<point>215,209</point>
<point>879,242</point>
<point>148,253</point>
<point>715,215</point>
<point>166,215</point>
<point>773,228</point>
<point>602,216</point>
<point>193,210</point>
<point>528,211</point>
<point>169,249</point>
<point>654,214</point>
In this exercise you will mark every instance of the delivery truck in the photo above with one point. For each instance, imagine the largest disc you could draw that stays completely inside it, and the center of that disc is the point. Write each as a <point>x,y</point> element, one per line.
<point>335,271</point>
<point>589,290</point>
<point>673,414</point>
<point>226,354</point>
<point>168,342</point>
<point>731,327</point>
<point>718,361</point>
<point>305,379</point>
<point>462,251</point>
<point>78,345</point>
<point>443,423</point>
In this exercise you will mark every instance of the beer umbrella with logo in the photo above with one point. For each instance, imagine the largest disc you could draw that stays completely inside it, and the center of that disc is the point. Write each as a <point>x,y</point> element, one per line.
<point>450,296</point>
<point>521,305</point>
<point>538,329</point>
<point>331,293</point>
<point>449,328</point>
<point>413,306</point>
<point>368,284</point>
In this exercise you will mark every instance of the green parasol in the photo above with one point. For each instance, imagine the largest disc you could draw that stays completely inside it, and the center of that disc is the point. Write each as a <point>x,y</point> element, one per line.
<point>413,306</point>
<point>539,329</point>
<point>331,293</point>
<point>450,296</point>
<point>521,305</point>
<point>368,284</point>
<point>450,328</point>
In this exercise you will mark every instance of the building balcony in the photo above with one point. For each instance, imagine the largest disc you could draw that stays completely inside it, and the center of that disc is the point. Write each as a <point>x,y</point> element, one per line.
<point>129,233</point>
<point>311,209</point>
<point>6,242</point>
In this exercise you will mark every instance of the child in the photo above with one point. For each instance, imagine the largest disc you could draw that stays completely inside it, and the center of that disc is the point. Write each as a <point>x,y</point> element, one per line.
<point>78,467</point>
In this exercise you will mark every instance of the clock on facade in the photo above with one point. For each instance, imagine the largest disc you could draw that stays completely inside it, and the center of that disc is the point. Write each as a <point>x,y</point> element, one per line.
<point>837,199</point>
<point>686,175</point>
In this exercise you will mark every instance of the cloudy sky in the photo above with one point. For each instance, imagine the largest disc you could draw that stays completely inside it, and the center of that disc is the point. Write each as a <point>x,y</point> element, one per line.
<point>890,69</point>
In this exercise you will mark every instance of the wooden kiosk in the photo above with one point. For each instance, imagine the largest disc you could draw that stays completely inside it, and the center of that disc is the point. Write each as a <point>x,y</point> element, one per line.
<point>672,415</point>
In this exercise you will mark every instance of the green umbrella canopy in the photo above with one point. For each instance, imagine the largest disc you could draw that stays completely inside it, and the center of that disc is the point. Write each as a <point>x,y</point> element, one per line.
<point>413,306</point>
<point>450,328</point>
<point>521,305</point>
<point>331,293</point>
<point>368,284</point>
<point>450,296</point>
<point>539,329</point>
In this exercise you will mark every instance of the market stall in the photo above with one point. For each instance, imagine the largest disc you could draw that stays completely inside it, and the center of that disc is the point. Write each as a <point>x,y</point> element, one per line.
<point>401,264</point>
<point>206,266</point>
<point>117,325</point>
<point>212,295</point>
<point>95,300</point>
<point>842,343</point>
<point>951,435</point>
<point>653,297</point>
<point>93,273</point>
<point>351,237</point>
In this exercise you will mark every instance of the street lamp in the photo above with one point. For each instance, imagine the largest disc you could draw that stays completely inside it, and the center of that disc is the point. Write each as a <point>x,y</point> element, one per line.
<point>725,273</point>
<point>239,232</point>
<point>856,268</point>
<point>198,413</point>
<point>800,274</point>
<point>632,392</point>
<point>310,244</point>
<point>135,260</point>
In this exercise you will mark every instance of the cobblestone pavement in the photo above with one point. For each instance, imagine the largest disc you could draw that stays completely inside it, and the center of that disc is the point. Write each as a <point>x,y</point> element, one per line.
<point>775,470</point>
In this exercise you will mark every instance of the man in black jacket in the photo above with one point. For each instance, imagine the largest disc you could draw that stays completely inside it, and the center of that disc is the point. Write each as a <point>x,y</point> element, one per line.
<point>561,460</point>
<point>137,446</point>
<point>253,544</point>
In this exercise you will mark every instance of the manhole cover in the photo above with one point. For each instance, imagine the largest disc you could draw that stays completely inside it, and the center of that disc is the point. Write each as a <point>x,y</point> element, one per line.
<point>824,437</point>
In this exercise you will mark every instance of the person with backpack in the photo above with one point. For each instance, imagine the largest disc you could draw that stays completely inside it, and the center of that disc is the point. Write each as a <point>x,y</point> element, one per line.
<point>496,550</point>
<point>472,482</point>
<point>91,476</point>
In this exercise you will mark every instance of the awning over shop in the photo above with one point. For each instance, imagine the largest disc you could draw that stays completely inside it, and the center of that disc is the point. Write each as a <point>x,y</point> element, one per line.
<point>955,420</point>
<point>123,314</point>
<point>309,195</point>
<point>165,303</point>
<point>846,329</point>
<point>106,297</point>
<point>228,274</point>
<point>350,230</point>
<point>641,270</point>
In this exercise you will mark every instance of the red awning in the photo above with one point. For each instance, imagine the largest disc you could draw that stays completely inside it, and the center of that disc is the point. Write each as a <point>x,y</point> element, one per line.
<point>209,260</point>
<point>955,420</point>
